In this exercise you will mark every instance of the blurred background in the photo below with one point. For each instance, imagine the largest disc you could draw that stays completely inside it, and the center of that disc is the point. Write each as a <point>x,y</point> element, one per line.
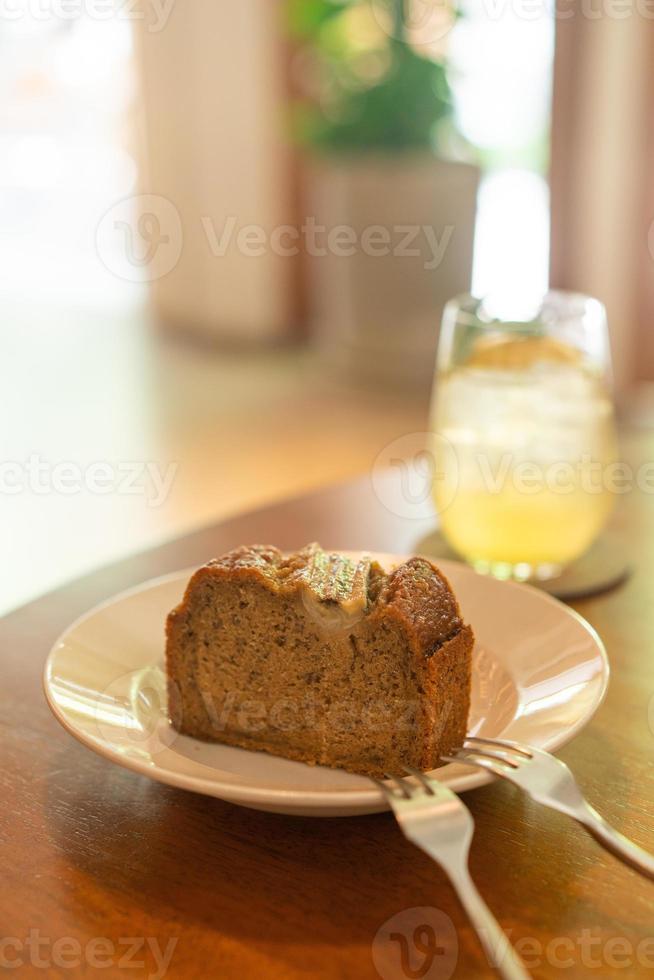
<point>228,232</point>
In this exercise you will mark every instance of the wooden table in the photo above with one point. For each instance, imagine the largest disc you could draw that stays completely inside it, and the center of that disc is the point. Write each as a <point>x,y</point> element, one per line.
<point>93,855</point>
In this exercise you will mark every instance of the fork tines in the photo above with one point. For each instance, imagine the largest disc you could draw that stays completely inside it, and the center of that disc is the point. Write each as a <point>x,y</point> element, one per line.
<point>502,743</point>
<point>407,788</point>
<point>494,754</point>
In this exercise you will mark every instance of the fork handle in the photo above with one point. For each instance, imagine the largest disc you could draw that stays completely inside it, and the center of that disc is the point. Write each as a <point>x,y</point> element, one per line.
<point>499,951</point>
<point>614,841</point>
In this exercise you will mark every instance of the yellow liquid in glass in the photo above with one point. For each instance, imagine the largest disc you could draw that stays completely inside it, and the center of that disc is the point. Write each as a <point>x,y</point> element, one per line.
<point>524,434</point>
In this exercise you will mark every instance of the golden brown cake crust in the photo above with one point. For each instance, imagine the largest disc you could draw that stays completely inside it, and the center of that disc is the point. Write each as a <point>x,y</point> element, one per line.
<point>331,576</point>
<point>420,595</point>
<point>416,592</point>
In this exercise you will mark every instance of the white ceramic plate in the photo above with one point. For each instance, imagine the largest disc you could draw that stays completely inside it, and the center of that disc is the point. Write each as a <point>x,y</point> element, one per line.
<point>540,672</point>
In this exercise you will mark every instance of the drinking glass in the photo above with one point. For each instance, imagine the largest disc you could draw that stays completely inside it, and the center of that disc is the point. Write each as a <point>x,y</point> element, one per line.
<point>523,431</point>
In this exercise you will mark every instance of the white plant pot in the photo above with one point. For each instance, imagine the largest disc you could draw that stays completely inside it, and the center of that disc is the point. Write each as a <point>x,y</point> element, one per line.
<point>377,294</point>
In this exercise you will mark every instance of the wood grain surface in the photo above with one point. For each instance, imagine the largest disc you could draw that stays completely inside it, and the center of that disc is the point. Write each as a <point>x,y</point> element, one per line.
<point>105,872</point>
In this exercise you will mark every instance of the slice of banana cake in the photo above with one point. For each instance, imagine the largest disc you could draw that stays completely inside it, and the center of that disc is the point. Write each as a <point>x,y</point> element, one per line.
<point>321,658</point>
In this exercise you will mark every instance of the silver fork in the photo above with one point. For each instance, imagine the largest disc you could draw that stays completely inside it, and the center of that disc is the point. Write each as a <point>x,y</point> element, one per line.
<point>549,781</point>
<point>433,818</point>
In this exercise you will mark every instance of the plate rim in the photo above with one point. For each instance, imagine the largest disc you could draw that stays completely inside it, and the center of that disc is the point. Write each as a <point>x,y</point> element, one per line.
<point>328,799</point>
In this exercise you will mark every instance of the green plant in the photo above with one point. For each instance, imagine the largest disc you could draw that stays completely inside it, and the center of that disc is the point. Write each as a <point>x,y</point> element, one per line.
<point>363,85</point>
